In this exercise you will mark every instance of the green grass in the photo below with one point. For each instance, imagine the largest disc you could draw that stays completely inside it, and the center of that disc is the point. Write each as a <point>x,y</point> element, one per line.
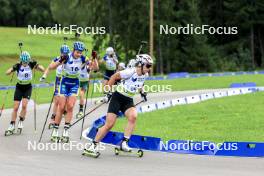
<point>209,82</point>
<point>38,45</point>
<point>236,118</point>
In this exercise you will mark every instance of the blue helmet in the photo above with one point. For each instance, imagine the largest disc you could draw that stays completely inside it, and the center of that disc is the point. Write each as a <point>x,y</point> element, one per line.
<point>78,46</point>
<point>64,49</point>
<point>25,57</point>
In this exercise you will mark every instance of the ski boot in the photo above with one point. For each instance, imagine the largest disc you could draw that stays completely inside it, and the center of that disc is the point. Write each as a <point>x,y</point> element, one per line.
<point>19,126</point>
<point>52,121</point>
<point>11,129</point>
<point>91,151</point>
<point>79,115</point>
<point>65,135</point>
<point>124,146</point>
<point>55,134</point>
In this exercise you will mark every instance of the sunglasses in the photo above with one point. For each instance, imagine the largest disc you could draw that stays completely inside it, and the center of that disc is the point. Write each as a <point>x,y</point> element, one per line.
<point>148,65</point>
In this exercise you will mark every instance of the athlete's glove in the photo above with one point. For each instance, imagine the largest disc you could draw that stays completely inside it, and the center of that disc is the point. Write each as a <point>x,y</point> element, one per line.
<point>107,97</point>
<point>15,67</point>
<point>43,78</point>
<point>94,54</point>
<point>144,96</point>
<point>63,58</point>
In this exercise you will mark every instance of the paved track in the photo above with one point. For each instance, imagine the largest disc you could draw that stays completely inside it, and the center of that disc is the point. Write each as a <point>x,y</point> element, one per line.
<point>16,159</point>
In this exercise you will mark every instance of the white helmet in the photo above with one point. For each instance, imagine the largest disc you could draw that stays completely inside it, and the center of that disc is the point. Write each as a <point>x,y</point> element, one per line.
<point>110,51</point>
<point>143,59</point>
<point>122,65</point>
<point>131,63</point>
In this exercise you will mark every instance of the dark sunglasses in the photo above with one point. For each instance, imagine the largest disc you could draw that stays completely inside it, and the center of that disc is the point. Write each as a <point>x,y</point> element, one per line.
<point>148,65</point>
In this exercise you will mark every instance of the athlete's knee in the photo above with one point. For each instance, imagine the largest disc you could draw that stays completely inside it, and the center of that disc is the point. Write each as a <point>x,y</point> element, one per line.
<point>132,118</point>
<point>70,107</point>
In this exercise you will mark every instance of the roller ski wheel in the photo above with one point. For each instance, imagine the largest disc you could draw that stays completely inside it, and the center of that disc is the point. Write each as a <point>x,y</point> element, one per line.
<point>55,139</point>
<point>50,126</point>
<point>19,130</point>
<point>9,132</point>
<point>65,139</point>
<point>79,115</point>
<point>139,153</point>
<point>90,153</point>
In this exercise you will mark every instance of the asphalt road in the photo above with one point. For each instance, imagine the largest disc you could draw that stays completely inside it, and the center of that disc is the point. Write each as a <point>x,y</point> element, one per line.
<point>17,159</point>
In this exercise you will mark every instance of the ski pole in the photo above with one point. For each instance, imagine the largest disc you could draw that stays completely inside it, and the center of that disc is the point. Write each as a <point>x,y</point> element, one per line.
<point>65,40</point>
<point>20,44</point>
<point>141,46</point>
<point>5,97</point>
<point>139,102</point>
<point>46,117</point>
<point>35,103</point>
<point>88,113</point>
<point>86,100</point>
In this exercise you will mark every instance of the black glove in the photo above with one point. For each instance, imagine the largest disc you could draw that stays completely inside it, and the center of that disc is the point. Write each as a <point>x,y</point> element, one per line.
<point>144,96</point>
<point>107,97</point>
<point>63,58</point>
<point>15,67</point>
<point>94,54</point>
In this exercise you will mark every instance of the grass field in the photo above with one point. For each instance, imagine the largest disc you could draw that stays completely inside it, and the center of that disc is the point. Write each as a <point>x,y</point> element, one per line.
<point>236,118</point>
<point>38,45</point>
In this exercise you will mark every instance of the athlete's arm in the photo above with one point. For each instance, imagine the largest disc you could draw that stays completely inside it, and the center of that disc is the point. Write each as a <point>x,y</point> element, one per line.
<point>115,59</point>
<point>94,65</point>
<point>40,68</point>
<point>61,61</point>
<point>113,79</point>
<point>9,71</point>
<point>12,69</point>
<point>103,61</point>
<point>46,72</point>
<point>54,65</point>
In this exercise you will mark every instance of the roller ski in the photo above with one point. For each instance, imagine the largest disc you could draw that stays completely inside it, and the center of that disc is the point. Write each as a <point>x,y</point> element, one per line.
<point>11,130</point>
<point>55,135</point>
<point>126,150</point>
<point>65,137</point>
<point>92,151</point>
<point>79,115</point>
<point>19,127</point>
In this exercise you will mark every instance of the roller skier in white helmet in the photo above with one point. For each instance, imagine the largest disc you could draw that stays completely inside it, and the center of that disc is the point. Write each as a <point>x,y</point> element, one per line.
<point>132,81</point>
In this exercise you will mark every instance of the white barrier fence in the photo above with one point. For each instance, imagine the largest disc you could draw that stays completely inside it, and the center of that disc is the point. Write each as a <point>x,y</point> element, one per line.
<point>197,98</point>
